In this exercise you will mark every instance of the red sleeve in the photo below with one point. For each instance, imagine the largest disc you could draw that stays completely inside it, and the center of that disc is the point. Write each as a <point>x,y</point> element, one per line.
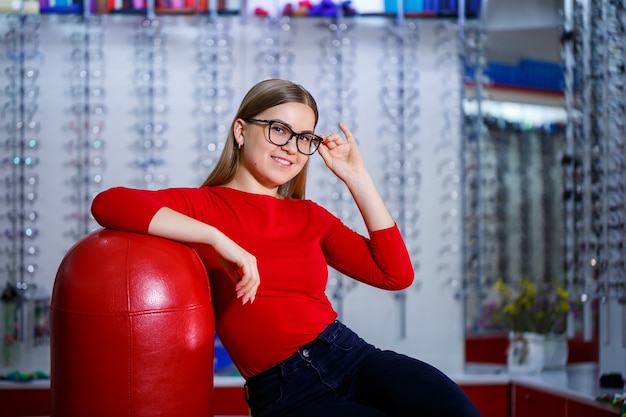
<point>132,209</point>
<point>382,261</point>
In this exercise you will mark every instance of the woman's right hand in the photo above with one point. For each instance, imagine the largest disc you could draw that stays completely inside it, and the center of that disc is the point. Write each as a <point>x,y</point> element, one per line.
<point>239,264</point>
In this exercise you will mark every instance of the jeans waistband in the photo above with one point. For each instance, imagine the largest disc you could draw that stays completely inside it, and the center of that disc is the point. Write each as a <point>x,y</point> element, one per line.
<point>282,369</point>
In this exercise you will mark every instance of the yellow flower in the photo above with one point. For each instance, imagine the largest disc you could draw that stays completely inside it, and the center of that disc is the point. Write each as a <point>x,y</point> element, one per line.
<point>532,307</point>
<point>563,307</point>
<point>510,309</point>
<point>503,289</point>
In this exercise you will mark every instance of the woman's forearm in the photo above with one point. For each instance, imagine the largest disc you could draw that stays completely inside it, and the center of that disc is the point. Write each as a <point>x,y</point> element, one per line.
<point>375,214</point>
<point>173,225</point>
<point>240,265</point>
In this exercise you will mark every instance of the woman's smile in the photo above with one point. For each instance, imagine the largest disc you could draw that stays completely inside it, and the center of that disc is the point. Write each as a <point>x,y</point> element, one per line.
<point>282,162</point>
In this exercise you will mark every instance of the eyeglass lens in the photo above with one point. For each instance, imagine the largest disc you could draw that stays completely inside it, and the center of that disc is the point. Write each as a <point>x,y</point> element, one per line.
<point>280,134</point>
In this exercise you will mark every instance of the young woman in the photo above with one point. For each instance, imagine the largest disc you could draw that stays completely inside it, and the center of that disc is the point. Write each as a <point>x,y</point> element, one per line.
<point>267,252</point>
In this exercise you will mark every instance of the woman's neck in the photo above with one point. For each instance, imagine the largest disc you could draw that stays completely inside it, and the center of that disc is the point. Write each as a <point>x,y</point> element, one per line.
<point>252,188</point>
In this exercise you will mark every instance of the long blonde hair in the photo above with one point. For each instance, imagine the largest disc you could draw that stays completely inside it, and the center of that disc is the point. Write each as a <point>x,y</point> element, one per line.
<point>262,96</point>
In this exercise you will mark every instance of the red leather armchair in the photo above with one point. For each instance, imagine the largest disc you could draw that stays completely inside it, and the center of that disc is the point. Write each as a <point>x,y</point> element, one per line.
<point>132,330</point>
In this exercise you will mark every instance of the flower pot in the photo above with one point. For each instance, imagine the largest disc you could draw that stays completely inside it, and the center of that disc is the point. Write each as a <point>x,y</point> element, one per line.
<point>525,353</point>
<point>555,351</point>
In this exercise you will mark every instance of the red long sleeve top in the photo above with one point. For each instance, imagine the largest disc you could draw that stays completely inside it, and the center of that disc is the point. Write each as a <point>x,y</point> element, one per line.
<point>294,241</point>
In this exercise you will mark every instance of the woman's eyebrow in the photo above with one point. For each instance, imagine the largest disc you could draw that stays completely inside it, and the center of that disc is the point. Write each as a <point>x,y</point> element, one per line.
<point>292,129</point>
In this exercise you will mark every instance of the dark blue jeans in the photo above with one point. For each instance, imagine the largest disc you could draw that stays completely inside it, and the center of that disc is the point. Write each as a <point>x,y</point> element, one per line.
<point>340,375</point>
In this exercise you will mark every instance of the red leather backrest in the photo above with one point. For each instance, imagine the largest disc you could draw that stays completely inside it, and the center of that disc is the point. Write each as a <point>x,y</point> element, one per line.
<point>132,329</point>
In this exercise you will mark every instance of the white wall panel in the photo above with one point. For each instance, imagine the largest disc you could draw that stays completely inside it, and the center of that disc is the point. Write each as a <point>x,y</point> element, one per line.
<point>434,330</point>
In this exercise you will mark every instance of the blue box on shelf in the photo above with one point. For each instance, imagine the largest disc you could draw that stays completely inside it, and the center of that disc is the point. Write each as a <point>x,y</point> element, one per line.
<point>435,7</point>
<point>222,364</point>
<point>541,74</point>
<point>65,6</point>
<point>431,6</point>
<point>448,7</point>
<point>526,74</point>
<point>410,6</point>
<point>500,73</point>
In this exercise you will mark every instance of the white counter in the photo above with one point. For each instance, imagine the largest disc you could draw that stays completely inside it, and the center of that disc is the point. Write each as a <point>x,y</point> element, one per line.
<point>577,380</point>
<point>581,379</point>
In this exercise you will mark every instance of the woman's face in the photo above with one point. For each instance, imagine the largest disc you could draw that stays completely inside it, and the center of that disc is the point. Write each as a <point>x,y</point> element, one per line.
<point>263,166</point>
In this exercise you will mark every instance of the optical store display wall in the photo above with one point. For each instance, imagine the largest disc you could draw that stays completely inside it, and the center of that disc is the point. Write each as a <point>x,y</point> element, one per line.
<point>125,100</point>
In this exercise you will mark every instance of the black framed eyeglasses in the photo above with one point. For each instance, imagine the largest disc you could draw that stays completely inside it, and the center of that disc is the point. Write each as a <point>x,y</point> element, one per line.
<point>279,134</point>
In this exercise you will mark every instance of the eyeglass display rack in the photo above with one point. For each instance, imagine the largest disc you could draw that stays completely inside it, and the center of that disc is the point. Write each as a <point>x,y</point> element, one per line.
<point>275,59</point>
<point>214,87</point>
<point>86,146</point>
<point>401,164</point>
<point>595,52</point>
<point>472,167</point>
<point>150,91</point>
<point>24,304</point>
<point>512,193</point>
<point>450,36</point>
<point>593,173</point>
<point>337,92</point>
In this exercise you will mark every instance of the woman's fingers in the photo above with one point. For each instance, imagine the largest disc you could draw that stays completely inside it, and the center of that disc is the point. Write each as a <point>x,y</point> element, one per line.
<point>347,132</point>
<point>334,140</point>
<point>241,267</point>
<point>248,283</point>
<point>247,292</point>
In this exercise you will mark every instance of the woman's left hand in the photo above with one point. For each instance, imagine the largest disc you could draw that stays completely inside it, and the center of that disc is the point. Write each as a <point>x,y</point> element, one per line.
<point>343,157</point>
